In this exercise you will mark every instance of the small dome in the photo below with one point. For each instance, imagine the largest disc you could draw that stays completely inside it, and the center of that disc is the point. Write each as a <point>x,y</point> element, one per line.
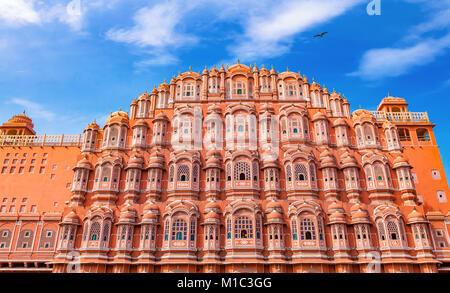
<point>144,96</point>
<point>21,118</point>
<point>84,163</point>
<point>141,122</point>
<point>337,217</point>
<point>274,215</point>
<point>400,159</point>
<point>212,215</point>
<point>161,116</point>
<point>127,208</point>
<point>335,205</point>
<point>118,117</point>
<point>357,207</point>
<point>273,205</point>
<point>415,217</point>
<point>340,122</point>
<point>135,160</point>
<point>150,216</point>
<point>319,116</point>
<point>93,126</point>
<point>151,206</point>
<point>212,205</point>
<point>315,86</point>
<point>71,218</point>
<point>359,214</point>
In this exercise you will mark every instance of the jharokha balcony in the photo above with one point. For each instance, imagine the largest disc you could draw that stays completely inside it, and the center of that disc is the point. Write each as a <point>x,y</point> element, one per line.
<point>401,117</point>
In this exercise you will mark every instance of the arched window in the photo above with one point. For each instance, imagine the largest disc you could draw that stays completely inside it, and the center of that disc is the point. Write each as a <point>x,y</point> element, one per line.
<point>179,230</point>
<point>183,173</point>
<point>243,227</point>
<point>288,173</point>
<point>95,231</point>
<point>300,172</point>
<point>239,88</point>
<point>307,229</point>
<point>294,229</point>
<point>392,230</point>
<point>188,90</point>
<point>381,231</point>
<point>241,171</point>
<point>422,134</point>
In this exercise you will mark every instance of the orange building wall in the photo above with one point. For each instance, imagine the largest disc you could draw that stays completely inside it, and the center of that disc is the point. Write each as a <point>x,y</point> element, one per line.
<point>51,193</point>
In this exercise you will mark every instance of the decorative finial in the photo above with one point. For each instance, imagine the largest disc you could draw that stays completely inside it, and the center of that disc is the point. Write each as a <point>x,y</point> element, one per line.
<point>165,80</point>
<point>359,107</point>
<point>239,62</point>
<point>190,69</point>
<point>313,80</point>
<point>262,66</point>
<point>227,66</point>
<point>214,66</point>
<point>287,69</point>
<point>120,109</point>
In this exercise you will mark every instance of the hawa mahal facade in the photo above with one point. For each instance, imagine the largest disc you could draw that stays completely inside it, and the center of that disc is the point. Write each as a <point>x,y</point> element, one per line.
<point>236,169</point>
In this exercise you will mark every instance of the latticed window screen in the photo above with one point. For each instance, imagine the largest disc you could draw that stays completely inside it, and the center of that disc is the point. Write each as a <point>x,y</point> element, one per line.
<point>179,230</point>
<point>320,228</point>
<point>183,170</point>
<point>307,229</point>
<point>393,230</point>
<point>192,229</point>
<point>258,227</point>
<point>95,231</point>
<point>381,231</point>
<point>85,232</point>
<point>241,170</point>
<point>255,170</point>
<point>289,173</point>
<point>171,173</point>
<point>300,172</point>
<point>195,173</point>
<point>229,228</point>
<point>364,231</point>
<point>243,227</point>
<point>294,229</point>
<point>166,230</point>
<point>105,231</point>
<point>312,171</point>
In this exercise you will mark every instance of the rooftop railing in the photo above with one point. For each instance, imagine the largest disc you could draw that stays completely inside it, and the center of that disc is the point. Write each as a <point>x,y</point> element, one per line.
<point>415,117</point>
<point>41,140</point>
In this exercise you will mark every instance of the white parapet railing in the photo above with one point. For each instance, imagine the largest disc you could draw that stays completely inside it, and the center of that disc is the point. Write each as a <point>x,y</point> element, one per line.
<point>421,117</point>
<point>41,140</point>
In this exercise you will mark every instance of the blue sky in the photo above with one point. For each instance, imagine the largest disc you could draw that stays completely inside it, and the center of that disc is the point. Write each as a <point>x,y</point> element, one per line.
<point>68,62</point>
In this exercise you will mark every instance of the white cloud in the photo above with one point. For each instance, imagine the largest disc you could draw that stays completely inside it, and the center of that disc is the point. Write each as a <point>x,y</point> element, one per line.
<point>391,62</point>
<point>18,12</point>
<point>380,63</point>
<point>34,110</point>
<point>271,33</point>
<point>155,27</point>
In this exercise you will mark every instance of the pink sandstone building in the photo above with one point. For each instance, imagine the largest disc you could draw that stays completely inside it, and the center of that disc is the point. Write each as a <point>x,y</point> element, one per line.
<point>233,170</point>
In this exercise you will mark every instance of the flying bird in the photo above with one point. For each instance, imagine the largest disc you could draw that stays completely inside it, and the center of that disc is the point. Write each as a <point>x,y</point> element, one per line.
<point>320,35</point>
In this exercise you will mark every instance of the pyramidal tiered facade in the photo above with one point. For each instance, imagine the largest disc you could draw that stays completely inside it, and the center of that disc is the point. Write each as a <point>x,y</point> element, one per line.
<point>232,170</point>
